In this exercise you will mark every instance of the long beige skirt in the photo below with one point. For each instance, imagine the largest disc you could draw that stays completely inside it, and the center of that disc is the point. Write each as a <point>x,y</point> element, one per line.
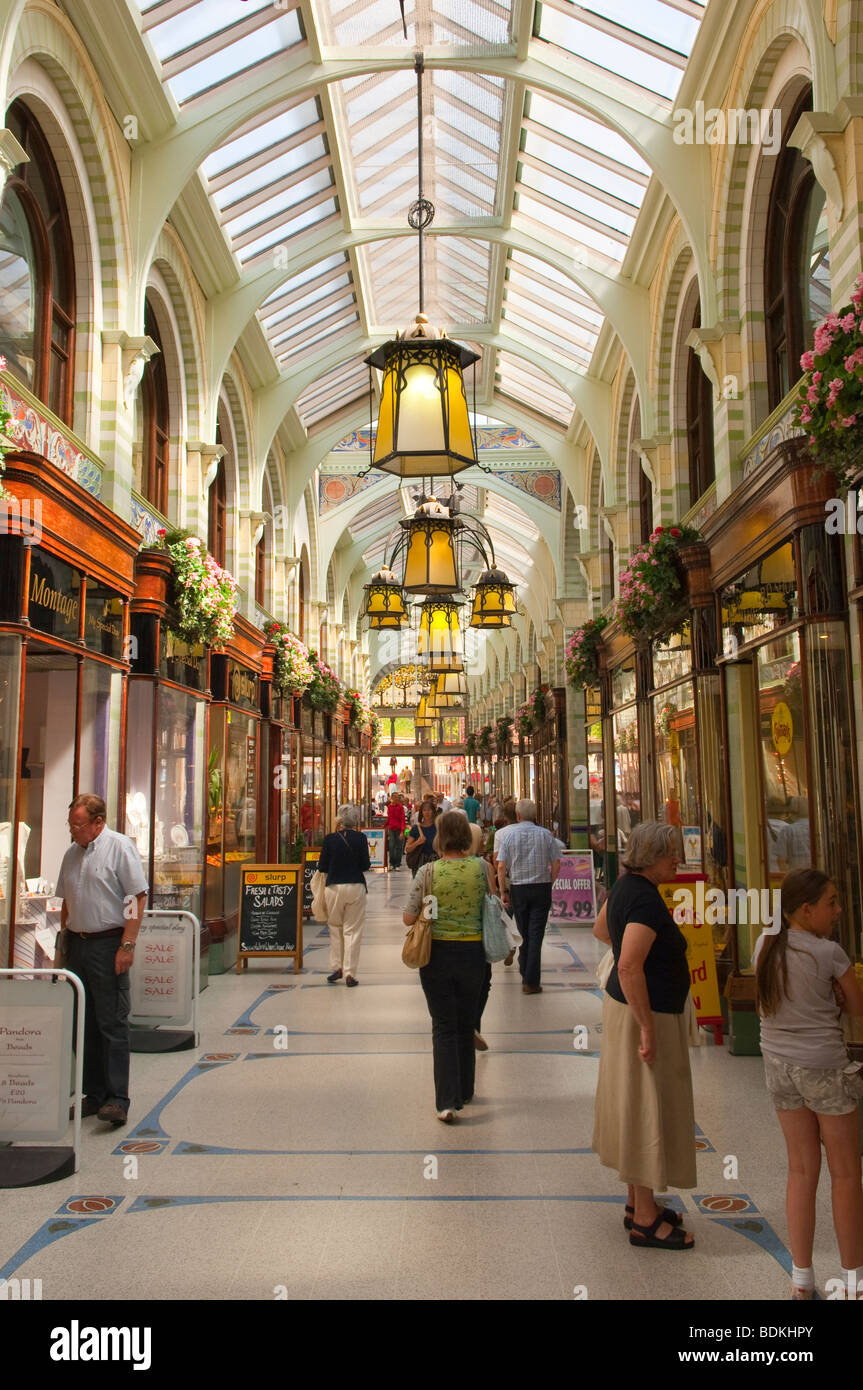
<point>645,1122</point>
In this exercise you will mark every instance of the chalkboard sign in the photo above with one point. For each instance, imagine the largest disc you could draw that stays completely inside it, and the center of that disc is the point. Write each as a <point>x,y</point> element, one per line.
<point>271,912</point>
<point>310,864</point>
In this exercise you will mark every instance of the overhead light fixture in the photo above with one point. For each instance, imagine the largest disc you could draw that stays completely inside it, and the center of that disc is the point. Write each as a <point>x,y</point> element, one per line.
<point>493,600</point>
<point>424,426</point>
<point>440,640</point>
<point>430,559</point>
<point>384,603</point>
<point>452,683</point>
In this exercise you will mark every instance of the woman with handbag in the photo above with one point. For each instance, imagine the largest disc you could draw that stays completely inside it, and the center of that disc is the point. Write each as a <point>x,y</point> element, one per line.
<point>454,976</point>
<point>419,847</point>
<point>344,860</point>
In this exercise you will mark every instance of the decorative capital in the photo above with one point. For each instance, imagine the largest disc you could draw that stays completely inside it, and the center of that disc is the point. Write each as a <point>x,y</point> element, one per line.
<point>820,140</point>
<point>11,155</point>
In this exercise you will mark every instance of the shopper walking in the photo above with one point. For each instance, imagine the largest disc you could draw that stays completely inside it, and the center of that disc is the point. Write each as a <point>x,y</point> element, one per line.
<point>395,830</point>
<point>645,1120</point>
<point>530,855</point>
<point>419,846</point>
<point>104,894</point>
<point>453,978</point>
<point>345,859</point>
<point>471,806</point>
<point>802,979</point>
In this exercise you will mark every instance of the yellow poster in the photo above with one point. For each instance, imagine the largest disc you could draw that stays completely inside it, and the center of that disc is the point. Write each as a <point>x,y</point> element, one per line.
<point>700,956</point>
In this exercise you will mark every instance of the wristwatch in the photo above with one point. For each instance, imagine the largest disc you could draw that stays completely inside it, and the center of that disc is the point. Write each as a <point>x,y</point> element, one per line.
<point>127,945</point>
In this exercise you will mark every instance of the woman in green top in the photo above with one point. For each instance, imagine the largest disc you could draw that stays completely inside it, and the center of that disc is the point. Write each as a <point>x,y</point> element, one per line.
<point>454,976</point>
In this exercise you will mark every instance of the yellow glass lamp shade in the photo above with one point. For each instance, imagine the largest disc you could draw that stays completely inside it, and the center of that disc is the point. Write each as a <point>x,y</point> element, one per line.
<point>452,683</point>
<point>430,563</point>
<point>384,602</point>
<point>440,639</point>
<point>423,425</point>
<point>493,600</point>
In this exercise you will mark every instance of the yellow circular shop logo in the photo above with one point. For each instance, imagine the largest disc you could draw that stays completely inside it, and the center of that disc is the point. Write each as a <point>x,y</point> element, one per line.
<point>782,728</point>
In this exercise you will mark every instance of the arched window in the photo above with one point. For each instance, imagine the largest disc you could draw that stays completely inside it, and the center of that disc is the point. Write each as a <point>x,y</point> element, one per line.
<point>261,570</point>
<point>217,510</point>
<point>699,421</point>
<point>155,421</point>
<point>37,273</point>
<point>301,603</point>
<point>797,267</point>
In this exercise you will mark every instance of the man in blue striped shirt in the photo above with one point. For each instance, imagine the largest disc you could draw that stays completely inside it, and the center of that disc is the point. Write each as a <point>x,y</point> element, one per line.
<point>531,856</point>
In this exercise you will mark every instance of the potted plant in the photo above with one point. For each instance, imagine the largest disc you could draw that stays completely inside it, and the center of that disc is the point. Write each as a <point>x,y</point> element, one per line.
<point>359,713</point>
<point>582,652</point>
<point>203,595</point>
<point>524,721</point>
<point>325,687</point>
<point>293,672</point>
<point>652,587</point>
<point>829,404</point>
<point>539,705</point>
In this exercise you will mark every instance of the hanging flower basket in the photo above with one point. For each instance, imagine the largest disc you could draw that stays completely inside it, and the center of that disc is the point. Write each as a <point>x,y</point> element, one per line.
<point>325,688</point>
<point>503,732</point>
<point>203,595</point>
<point>653,586</point>
<point>470,745</point>
<point>360,714</point>
<point>524,721</point>
<point>582,652</point>
<point>293,672</point>
<point>829,403</point>
<point>540,705</point>
<point>484,739</point>
<point>376,732</point>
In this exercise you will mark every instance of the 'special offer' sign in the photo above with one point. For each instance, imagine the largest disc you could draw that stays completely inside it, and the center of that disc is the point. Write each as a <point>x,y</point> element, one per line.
<point>573,893</point>
<point>271,912</point>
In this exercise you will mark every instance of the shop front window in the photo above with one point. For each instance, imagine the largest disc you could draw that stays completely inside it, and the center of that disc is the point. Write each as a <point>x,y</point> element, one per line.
<point>672,657</point>
<point>627,785</point>
<point>101,713</point>
<point>241,780</point>
<point>782,735</point>
<point>214,900</point>
<point>48,763</point>
<point>311,807</point>
<point>10,680</point>
<point>761,600</point>
<point>677,801</point>
<point>179,821</point>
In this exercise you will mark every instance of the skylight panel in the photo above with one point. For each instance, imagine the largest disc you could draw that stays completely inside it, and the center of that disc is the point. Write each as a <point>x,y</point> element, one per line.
<point>278,169</point>
<point>613,36</point>
<point>311,217</point>
<point>577,232</point>
<point>281,201</point>
<point>585,169</point>
<point>576,201</point>
<point>269,132</point>
<point>558,117</point>
<point>255,49</point>
<point>191,27</point>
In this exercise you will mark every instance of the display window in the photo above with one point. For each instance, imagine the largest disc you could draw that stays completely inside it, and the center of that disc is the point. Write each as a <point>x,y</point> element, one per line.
<point>676,766</point>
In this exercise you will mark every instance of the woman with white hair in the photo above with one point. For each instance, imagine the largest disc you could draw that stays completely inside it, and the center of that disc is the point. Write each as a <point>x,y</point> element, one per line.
<point>344,859</point>
<point>645,1122</point>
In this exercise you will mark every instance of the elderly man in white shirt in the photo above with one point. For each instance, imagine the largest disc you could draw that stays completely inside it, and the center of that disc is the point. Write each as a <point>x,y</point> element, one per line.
<point>531,855</point>
<point>104,894</point>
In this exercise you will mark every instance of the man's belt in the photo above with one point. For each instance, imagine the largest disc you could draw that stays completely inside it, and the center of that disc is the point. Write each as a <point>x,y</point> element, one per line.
<point>97,935</point>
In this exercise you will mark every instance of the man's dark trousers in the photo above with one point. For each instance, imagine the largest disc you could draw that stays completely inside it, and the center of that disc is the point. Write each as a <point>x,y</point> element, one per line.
<point>531,903</point>
<point>106,1014</point>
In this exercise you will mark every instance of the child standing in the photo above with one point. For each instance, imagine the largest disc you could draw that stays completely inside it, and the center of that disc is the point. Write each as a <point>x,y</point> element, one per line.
<point>803,980</point>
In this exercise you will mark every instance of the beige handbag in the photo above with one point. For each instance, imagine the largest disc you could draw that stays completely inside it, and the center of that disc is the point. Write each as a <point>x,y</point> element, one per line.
<point>318,886</point>
<point>416,951</point>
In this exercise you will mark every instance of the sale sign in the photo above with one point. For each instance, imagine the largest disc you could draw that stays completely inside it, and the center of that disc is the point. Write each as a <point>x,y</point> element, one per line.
<point>573,893</point>
<point>700,955</point>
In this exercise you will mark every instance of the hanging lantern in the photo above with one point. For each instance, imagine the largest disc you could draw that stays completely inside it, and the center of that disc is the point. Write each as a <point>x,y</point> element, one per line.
<point>493,600</point>
<point>384,604</point>
<point>423,425</point>
<point>440,639</point>
<point>439,700</point>
<point>430,563</point>
<point>452,683</point>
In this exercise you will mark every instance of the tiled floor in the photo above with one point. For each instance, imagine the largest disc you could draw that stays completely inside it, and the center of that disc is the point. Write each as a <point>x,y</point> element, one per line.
<point>319,1170</point>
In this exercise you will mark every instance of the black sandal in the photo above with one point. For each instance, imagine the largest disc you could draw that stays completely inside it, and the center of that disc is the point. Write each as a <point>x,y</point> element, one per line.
<point>675,1240</point>
<point>674,1218</point>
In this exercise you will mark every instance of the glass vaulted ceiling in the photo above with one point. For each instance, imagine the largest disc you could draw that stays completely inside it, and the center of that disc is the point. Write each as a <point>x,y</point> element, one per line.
<point>344,156</point>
